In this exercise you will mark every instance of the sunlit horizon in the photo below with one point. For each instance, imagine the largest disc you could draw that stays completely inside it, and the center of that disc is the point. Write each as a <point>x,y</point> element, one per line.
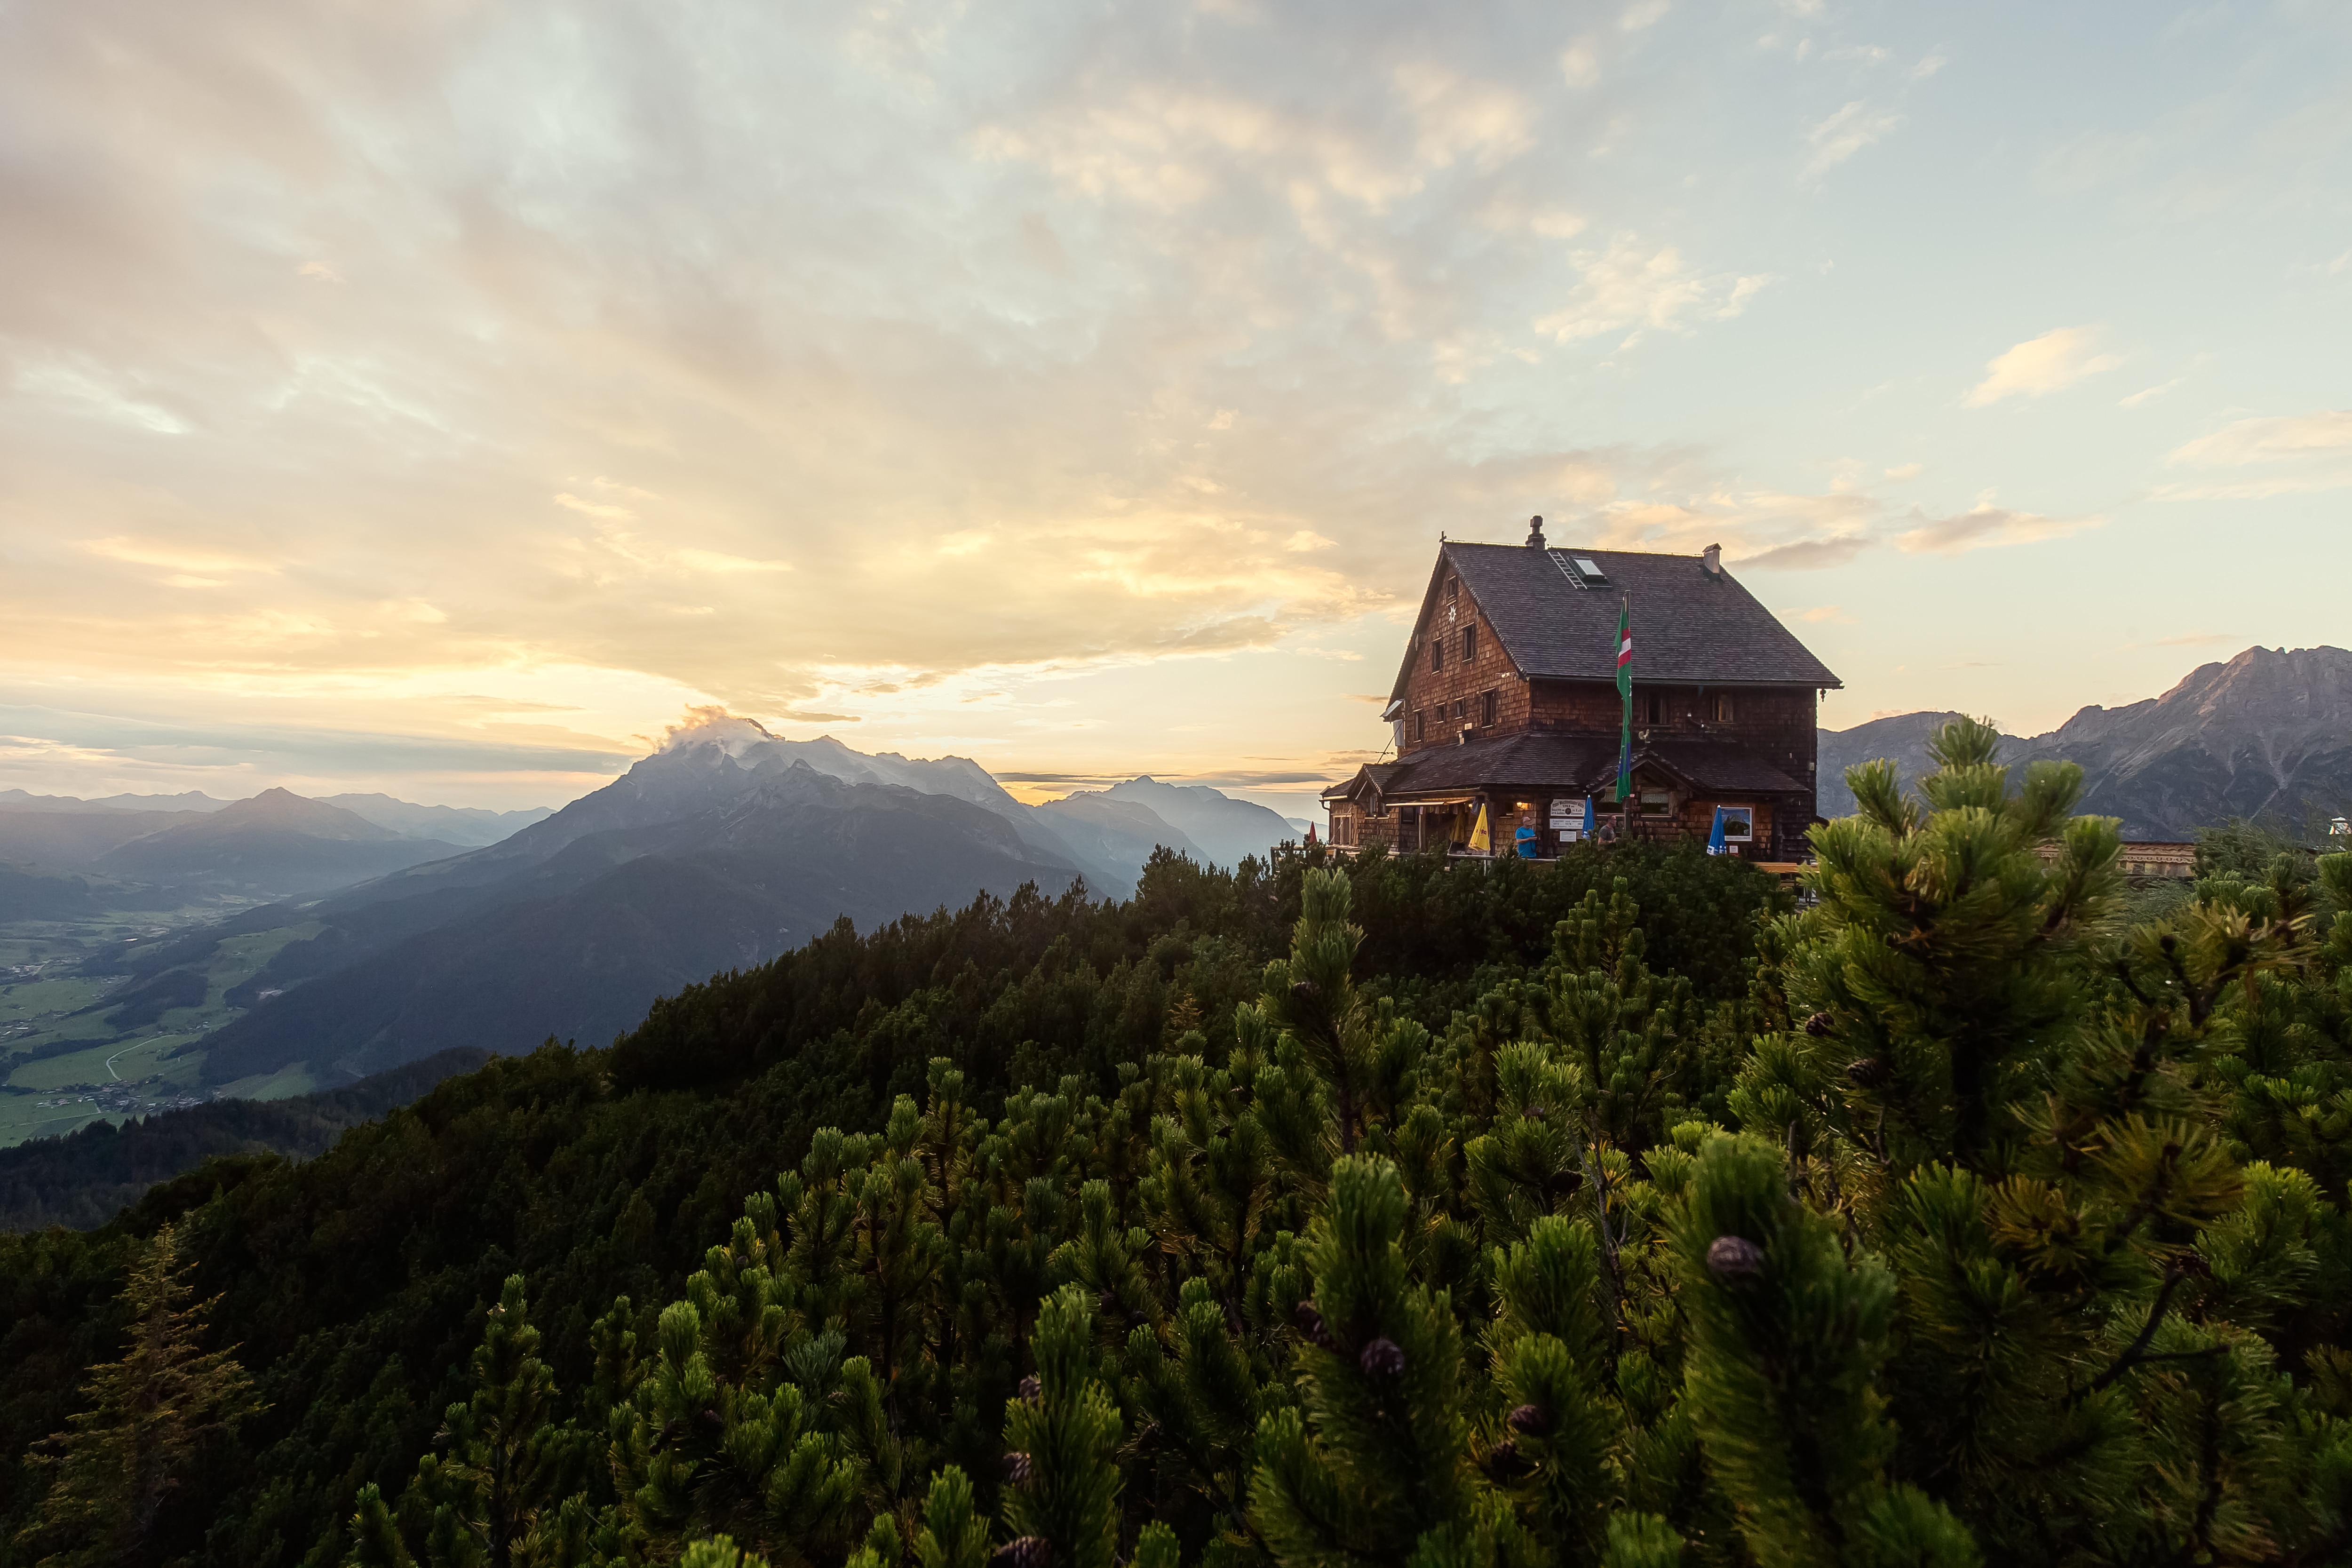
<point>442,402</point>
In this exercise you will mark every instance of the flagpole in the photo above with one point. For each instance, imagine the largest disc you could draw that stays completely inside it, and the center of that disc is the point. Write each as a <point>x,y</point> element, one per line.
<point>1626,731</point>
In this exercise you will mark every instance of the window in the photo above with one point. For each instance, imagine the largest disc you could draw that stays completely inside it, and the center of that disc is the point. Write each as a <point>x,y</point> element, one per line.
<point>1454,587</point>
<point>1469,645</point>
<point>1722,706</point>
<point>1654,802</point>
<point>1657,706</point>
<point>1420,730</point>
<point>1437,652</point>
<point>1489,706</point>
<point>1461,708</point>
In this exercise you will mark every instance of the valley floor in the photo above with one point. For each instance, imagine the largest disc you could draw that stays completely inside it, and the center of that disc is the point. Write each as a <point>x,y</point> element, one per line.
<point>64,1064</point>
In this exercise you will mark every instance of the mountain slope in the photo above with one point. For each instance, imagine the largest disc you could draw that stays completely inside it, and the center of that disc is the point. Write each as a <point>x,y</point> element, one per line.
<point>1227,830</point>
<point>2265,735</point>
<point>468,826</point>
<point>82,1179</point>
<point>73,837</point>
<point>29,893</point>
<point>1901,739</point>
<point>580,944</point>
<point>186,800</point>
<point>1120,833</point>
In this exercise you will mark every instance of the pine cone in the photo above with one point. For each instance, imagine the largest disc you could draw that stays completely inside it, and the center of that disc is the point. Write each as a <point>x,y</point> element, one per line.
<point>1531,1420</point>
<point>1536,1113</point>
<point>1735,1260</point>
<point>1310,1324</point>
<point>1818,1024</point>
<point>1305,991</point>
<point>1869,1071</point>
<point>1506,1463</point>
<point>1017,1469</point>
<point>1382,1358</point>
<point>1031,1389</point>
<point>1023,1552</point>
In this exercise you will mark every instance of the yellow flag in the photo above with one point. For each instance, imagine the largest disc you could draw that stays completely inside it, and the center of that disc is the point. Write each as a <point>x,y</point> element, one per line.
<point>1479,838</point>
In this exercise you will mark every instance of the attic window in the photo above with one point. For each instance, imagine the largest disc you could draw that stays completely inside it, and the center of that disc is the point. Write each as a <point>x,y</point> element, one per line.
<point>1452,587</point>
<point>1590,570</point>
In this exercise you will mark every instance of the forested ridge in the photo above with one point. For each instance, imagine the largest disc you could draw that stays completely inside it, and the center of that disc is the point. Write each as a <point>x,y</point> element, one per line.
<point>1378,1213</point>
<point>87,1177</point>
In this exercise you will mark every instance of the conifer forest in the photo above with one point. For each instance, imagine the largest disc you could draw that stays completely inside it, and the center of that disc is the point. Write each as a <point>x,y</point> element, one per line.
<point>1960,1207</point>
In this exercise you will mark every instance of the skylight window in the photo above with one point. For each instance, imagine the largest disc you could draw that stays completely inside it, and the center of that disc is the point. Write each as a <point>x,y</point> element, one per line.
<point>1590,570</point>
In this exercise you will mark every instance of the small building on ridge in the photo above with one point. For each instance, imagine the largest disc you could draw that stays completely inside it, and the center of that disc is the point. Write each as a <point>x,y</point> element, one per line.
<point>1506,699</point>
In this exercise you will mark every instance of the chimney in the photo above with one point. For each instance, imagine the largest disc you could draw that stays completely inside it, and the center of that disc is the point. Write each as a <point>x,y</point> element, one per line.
<point>1534,533</point>
<point>1713,557</point>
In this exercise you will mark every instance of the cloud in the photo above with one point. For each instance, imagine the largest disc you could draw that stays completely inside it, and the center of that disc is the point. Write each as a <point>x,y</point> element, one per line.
<point>2051,363</point>
<point>2149,394</point>
<point>1846,132</point>
<point>1903,472</point>
<point>1986,527</point>
<point>1643,14</point>
<point>1634,286</point>
<point>2306,452</point>
<point>1821,614</point>
<point>1806,555</point>
<point>2293,437</point>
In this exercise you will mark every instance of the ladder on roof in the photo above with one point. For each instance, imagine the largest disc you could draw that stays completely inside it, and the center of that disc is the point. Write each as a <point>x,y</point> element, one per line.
<point>1559,559</point>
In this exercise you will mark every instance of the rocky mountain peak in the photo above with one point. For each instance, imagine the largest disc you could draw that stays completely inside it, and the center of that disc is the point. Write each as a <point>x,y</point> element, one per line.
<point>2267,733</point>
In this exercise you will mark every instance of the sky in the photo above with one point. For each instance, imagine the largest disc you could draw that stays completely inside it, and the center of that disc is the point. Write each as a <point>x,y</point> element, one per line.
<point>444,398</point>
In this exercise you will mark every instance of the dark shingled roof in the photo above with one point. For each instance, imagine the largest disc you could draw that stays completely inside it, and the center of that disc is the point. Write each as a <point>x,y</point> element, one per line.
<point>1690,626</point>
<point>1581,764</point>
<point>1708,764</point>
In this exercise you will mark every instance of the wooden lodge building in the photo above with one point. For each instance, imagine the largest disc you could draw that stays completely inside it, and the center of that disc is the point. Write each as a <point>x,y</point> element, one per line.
<point>1507,698</point>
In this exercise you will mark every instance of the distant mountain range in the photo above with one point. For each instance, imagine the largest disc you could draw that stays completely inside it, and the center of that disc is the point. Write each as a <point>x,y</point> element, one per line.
<point>277,842</point>
<point>470,827</point>
<point>2266,736</point>
<point>158,851</point>
<point>574,934</point>
<point>721,851</point>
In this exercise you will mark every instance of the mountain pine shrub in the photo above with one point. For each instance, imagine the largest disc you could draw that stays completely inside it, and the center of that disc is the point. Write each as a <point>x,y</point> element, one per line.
<point>1958,1217</point>
<point>1981,1227</point>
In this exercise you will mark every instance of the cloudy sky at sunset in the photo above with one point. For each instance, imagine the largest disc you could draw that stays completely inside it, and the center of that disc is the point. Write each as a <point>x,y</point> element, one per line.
<point>442,397</point>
